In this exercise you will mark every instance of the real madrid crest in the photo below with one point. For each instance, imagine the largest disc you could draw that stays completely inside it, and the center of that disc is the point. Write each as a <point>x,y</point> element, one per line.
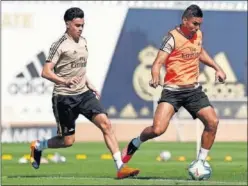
<point>142,74</point>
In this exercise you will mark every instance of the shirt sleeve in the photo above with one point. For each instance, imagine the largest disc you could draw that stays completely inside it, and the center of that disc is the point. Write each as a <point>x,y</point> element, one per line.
<point>168,44</point>
<point>54,53</point>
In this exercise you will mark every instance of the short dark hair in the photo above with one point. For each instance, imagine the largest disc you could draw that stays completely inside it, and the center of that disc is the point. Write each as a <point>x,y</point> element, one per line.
<point>192,11</point>
<point>73,13</point>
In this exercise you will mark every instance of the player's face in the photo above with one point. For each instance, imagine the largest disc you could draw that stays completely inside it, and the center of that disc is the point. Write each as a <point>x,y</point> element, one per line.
<point>75,27</point>
<point>193,24</point>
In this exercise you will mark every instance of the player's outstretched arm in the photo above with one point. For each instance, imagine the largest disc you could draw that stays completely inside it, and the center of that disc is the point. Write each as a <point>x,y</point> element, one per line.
<point>156,67</point>
<point>207,60</point>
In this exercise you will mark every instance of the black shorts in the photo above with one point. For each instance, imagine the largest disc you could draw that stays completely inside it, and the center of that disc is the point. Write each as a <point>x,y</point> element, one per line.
<point>66,109</point>
<point>191,99</point>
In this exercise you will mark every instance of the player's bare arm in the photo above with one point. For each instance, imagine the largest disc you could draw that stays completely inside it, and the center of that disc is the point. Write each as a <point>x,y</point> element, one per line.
<point>47,72</point>
<point>207,60</point>
<point>92,87</point>
<point>156,67</point>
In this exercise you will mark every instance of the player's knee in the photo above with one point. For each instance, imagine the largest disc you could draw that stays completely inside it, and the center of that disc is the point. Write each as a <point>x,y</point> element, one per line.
<point>105,126</point>
<point>158,130</point>
<point>68,141</point>
<point>212,125</point>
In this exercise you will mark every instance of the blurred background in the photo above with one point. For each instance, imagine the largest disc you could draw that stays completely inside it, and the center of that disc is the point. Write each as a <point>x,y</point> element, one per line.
<point>123,40</point>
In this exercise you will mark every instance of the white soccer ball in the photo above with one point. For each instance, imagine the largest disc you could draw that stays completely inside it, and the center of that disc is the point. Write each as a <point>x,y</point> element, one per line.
<point>199,170</point>
<point>63,159</point>
<point>165,155</point>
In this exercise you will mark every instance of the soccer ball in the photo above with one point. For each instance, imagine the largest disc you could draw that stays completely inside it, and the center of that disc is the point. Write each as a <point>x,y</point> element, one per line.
<point>199,170</point>
<point>165,155</point>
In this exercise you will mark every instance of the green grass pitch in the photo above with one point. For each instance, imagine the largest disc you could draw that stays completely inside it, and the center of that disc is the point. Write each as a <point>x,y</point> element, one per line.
<point>95,171</point>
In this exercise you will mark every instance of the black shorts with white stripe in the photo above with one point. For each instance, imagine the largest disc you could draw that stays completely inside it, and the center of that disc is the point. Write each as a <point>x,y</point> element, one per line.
<point>66,109</point>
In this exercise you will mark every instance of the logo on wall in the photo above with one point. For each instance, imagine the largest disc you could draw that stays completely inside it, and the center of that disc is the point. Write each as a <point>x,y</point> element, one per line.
<point>142,74</point>
<point>126,92</point>
<point>232,87</point>
<point>29,80</point>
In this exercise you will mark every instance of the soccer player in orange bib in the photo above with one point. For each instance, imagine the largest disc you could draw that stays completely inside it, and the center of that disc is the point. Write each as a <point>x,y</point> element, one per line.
<point>181,52</point>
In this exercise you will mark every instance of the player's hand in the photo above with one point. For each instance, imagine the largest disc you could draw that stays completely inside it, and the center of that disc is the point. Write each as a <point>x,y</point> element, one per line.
<point>93,89</point>
<point>98,96</point>
<point>220,76</point>
<point>73,81</point>
<point>154,82</point>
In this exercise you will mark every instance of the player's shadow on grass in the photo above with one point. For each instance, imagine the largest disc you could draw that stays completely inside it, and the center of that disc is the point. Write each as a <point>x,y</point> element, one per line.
<point>57,176</point>
<point>96,177</point>
<point>155,178</point>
